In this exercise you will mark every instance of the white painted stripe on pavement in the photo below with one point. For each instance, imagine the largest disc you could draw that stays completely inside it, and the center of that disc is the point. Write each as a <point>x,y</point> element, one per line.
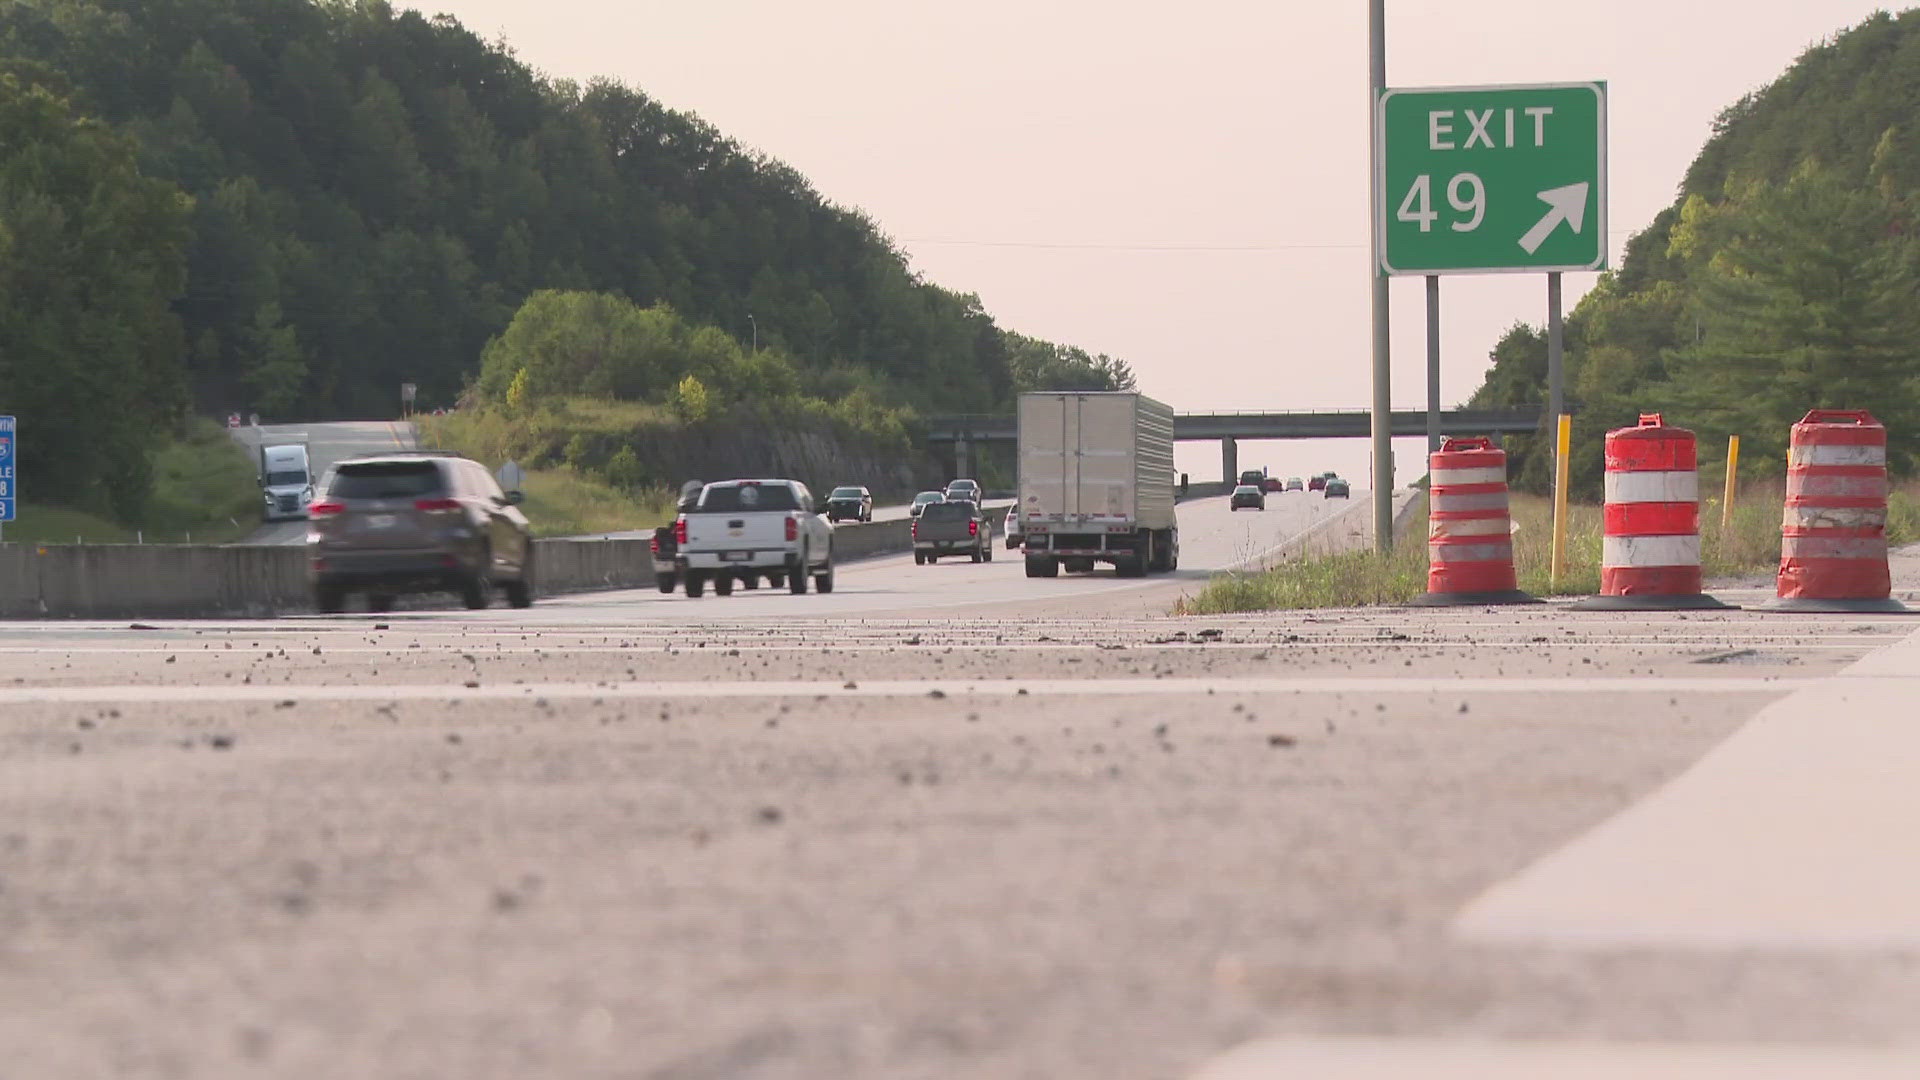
<point>120,694</point>
<point>1795,833</point>
<point>1632,551</point>
<point>1830,454</point>
<point>1653,487</point>
<point>1533,1059</point>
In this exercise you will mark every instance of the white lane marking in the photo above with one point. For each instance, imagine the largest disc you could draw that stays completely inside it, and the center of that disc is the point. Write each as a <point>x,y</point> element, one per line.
<point>1434,1059</point>
<point>891,688</point>
<point>1795,833</point>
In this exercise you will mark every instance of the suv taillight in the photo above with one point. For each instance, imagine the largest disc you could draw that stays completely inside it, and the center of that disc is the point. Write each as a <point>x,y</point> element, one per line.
<point>436,506</point>
<point>325,509</point>
<point>680,530</point>
<point>793,528</point>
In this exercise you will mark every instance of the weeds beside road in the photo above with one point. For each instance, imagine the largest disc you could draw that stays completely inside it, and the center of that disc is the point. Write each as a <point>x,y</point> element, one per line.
<point>1748,547</point>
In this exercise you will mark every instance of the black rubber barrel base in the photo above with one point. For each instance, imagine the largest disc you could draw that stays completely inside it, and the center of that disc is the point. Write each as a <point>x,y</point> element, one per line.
<point>1677,602</point>
<point>1472,599</point>
<point>1811,605</point>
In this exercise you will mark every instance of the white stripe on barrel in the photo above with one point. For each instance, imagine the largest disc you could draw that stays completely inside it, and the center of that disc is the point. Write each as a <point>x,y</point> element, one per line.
<point>1834,517</point>
<point>1838,454</point>
<point>1653,487</point>
<point>1637,551</point>
<point>1491,474</point>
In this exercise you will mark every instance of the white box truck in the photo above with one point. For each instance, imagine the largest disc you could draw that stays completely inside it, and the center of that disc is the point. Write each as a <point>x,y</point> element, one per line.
<point>286,482</point>
<point>1096,483</point>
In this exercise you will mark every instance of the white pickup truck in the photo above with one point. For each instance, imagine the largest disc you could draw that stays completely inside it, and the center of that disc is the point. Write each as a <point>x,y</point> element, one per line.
<point>747,528</point>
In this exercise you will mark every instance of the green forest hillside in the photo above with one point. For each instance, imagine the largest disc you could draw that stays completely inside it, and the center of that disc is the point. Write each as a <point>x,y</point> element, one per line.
<point>1785,277</point>
<point>291,206</point>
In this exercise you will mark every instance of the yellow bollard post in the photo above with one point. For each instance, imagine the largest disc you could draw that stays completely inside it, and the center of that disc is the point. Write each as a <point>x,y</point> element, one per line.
<point>1559,559</point>
<point>1733,476</point>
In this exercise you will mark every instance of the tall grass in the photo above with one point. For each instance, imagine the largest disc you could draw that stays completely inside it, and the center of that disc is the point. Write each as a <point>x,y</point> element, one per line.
<point>561,502</point>
<point>1749,545</point>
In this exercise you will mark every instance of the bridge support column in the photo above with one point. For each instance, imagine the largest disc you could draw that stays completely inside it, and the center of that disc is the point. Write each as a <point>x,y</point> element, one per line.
<point>1230,460</point>
<point>962,458</point>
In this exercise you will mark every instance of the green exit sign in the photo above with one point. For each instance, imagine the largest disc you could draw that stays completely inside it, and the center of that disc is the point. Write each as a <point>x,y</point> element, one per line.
<point>1491,179</point>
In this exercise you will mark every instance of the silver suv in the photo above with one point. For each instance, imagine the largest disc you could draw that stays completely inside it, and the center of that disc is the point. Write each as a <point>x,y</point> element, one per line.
<point>403,523</point>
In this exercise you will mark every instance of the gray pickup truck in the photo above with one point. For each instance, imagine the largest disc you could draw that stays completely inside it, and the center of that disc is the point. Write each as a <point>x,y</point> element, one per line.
<point>952,528</point>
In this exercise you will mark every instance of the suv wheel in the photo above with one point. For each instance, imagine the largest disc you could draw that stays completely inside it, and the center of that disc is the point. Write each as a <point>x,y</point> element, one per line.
<point>520,590</point>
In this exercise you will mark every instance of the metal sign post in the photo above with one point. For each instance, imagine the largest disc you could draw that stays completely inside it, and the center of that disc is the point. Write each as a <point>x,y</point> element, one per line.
<point>1382,463</point>
<point>407,392</point>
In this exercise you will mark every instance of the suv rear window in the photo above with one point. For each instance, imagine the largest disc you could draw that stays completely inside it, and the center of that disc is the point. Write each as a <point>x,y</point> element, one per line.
<point>747,499</point>
<point>845,493</point>
<point>385,480</point>
<point>947,511</point>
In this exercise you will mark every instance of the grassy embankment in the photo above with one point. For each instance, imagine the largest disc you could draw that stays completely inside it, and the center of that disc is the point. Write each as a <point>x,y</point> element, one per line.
<point>1749,546</point>
<point>563,499</point>
<point>204,490</point>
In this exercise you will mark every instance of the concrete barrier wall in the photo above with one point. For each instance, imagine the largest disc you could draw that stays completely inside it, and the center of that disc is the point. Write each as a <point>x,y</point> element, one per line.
<point>179,581</point>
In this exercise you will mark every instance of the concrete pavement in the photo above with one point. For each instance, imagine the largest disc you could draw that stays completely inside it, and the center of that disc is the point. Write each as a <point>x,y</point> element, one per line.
<point>631,835</point>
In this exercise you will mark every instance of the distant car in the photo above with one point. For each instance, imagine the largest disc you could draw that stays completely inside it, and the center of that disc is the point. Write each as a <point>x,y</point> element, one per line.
<point>417,523</point>
<point>1316,483</point>
<point>1248,495</point>
<point>954,527</point>
<point>964,489</point>
<point>1253,476</point>
<point>1336,488</point>
<point>1294,483</point>
<point>851,503</point>
<point>1273,484</point>
<point>923,500</point>
<point>1014,534</point>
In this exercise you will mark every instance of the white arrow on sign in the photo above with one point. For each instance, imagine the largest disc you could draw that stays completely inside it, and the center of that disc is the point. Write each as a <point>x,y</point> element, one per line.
<point>1568,204</point>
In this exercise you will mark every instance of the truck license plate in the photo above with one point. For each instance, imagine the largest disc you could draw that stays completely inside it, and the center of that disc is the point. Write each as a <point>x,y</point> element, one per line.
<point>735,556</point>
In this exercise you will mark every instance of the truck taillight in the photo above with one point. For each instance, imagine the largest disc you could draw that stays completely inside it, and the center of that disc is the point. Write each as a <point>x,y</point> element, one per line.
<point>973,528</point>
<point>793,527</point>
<point>915,528</point>
<point>653,544</point>
<point>325,509</point>
<point>680,529</point>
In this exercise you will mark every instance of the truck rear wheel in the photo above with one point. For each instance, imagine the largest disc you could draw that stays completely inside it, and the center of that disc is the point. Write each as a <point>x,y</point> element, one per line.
<point>797,576</point>
<point>1042,567</point>
<point>695,584</point>
<point>665,581</point>
<point>723,584</point>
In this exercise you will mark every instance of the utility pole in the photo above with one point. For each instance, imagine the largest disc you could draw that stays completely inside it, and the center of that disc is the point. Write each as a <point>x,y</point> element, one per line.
<point>1382,345</point>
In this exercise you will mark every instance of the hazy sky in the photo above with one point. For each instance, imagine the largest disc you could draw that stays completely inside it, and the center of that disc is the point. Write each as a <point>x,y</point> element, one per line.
<point>1181,185</point>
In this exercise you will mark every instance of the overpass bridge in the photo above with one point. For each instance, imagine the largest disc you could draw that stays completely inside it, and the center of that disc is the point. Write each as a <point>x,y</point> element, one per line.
<point>964,434</point>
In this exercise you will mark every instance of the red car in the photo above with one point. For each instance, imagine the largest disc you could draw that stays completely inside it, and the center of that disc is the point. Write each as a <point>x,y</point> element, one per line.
<point>1316,483</point>
<point>1274,483</point>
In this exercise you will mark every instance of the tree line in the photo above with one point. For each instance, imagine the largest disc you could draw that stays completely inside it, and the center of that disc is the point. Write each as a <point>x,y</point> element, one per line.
<point>292,206</point>
<point>1785,277</point>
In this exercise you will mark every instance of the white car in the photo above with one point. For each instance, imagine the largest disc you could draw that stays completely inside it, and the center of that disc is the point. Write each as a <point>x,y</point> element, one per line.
<point>1014,530</point>
<point>755,527</point>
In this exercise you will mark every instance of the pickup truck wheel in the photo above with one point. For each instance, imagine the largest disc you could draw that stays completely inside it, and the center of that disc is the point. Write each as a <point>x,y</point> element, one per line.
<point>776,579</point>
<point>723,584</point>
<point>986,550</point>
<point>749,581</point>
<point>665,581</point>
<point>823,581</point>
<point>919,559</point>
<point>695,584</point>
<point>797,576</point>
<point>974,554</point>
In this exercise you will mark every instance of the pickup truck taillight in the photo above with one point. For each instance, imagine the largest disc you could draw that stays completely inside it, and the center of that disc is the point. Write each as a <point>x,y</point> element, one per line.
<point>325,509</point>
<point>915,528</point>
<point>436,506</point>
<point>793,527</point>
<point>653,544</point>
<point>973,528</point>
<point>680,529</point>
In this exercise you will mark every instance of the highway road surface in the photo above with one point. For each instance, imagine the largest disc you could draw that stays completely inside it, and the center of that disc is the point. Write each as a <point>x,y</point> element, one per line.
<point>952,823</point>
<point>326,444</point>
